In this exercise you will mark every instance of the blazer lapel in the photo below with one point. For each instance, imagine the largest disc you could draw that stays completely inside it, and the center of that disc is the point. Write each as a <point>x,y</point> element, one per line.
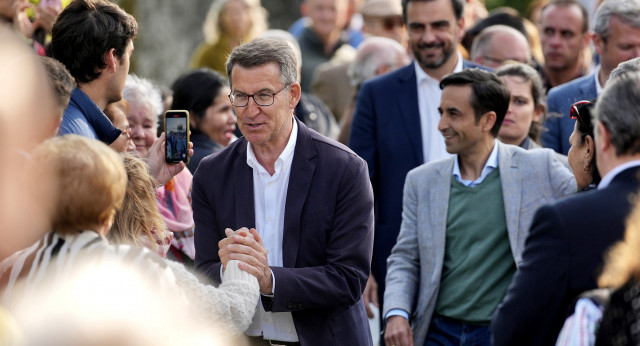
<point>302,169</point>
<point>511,192</point>
<point>407,102</point>
<point>243,182</point>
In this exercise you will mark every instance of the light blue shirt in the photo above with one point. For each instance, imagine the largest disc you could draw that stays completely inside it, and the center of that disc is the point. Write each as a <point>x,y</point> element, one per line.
<point>489,166</point>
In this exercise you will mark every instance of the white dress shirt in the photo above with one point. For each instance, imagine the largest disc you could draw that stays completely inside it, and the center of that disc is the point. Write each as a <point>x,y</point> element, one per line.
<point>429,92</point>
<point>270,195</point>
<point>606,180</point>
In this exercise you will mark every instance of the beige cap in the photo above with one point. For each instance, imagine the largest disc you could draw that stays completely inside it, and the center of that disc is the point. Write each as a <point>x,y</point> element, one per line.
<point>381,8</point>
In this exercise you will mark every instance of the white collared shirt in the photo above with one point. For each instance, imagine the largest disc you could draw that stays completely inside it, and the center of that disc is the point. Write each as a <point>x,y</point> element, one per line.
<point>596,72</point>
<point>429,92</point>
<point>489,166</point>
<point>606,180</point>
<point>270,195</point>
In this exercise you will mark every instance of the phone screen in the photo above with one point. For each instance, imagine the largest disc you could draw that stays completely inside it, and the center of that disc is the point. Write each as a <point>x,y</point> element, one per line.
<point>177,139</point>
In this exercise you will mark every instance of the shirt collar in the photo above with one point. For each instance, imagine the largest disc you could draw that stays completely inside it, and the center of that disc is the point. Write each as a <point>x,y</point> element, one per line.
<point>252,161</point>
<point>596,72</point>
<point>489,166</point>
<point>608,178</point>
<point>422,76</point>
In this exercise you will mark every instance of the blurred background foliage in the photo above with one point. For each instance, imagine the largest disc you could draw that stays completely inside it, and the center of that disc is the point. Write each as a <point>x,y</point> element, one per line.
<point>170,30</point>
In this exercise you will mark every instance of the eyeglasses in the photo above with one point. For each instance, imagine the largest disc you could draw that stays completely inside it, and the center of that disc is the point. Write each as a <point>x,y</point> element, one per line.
<point>574,113</point>
<point>262,99</point>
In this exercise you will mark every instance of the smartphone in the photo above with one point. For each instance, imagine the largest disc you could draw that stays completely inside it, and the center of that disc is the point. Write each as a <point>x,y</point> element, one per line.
<point>176,128</point>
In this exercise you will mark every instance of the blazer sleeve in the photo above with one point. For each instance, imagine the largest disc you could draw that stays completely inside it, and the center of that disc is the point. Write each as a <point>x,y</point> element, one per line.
<point>341,280</point>
<point>551,138</point>
<point>207,234</point>
<point>530,312</point>
<point>563,182</point>
<point>403,265</point>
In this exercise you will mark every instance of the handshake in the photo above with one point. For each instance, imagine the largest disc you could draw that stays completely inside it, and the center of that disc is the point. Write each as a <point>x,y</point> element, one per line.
<point>245,245</point>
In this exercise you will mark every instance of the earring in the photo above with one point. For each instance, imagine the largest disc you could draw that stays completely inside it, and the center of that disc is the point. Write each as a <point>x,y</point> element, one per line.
<point>587,167</point>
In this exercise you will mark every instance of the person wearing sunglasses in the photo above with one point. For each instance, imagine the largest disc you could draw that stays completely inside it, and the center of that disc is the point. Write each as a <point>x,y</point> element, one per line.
<point>384,18</point>
<point>582,153</point>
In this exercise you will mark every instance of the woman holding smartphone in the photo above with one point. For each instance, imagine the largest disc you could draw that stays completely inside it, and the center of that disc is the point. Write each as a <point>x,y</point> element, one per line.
<point>203,93</point>
<point>174,198</point>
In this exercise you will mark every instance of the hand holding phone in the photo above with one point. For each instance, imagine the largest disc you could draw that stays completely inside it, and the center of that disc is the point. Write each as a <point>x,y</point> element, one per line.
<point>176,128</point>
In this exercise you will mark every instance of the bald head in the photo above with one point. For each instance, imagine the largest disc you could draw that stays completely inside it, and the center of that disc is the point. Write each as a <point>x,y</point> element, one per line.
<point>499,43</point>
<point>376,56</point>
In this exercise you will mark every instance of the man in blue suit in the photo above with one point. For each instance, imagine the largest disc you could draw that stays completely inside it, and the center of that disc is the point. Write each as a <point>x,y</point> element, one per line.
<point>616,39</point>
<point>395,126</point>
<point>567,240</point>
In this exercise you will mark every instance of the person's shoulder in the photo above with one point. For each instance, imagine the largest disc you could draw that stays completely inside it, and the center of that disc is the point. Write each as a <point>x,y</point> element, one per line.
<point>325,144</point>
<point>433,168</point>
<point>570,87</point>
<point>223,156</point>
<point>391,78</point>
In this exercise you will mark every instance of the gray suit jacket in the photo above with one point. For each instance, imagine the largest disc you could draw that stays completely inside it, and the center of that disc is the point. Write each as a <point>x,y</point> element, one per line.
<point>530,178</point>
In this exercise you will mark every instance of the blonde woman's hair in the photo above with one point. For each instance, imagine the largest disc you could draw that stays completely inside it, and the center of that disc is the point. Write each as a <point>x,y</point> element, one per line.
<point>90,181</point>
<point>622,262</point>
<point>212,27</point>
<point>139,213</point>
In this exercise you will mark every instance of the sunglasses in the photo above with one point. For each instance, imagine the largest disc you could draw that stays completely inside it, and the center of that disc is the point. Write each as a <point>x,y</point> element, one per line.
<point>575,110</point>
<point>388,23</point>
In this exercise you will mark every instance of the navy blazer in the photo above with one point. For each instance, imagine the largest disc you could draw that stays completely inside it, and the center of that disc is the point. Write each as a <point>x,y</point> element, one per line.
<point>386,133</point>
<point>562,258</point>
<point>327,236</point>
<point>559,101</point>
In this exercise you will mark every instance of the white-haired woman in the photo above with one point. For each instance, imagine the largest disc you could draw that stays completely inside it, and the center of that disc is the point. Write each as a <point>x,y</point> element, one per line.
<point>174,198</point>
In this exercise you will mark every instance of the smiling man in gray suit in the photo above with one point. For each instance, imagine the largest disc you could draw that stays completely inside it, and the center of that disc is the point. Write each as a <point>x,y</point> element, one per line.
<point>465,220</point>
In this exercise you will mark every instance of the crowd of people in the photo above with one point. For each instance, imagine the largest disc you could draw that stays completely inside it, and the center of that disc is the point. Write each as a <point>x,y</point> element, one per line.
<point>470,174</point>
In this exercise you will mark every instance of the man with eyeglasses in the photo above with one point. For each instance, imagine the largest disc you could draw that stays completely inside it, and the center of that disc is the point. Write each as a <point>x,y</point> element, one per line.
<point>307,200</point>
<point>498,44</point>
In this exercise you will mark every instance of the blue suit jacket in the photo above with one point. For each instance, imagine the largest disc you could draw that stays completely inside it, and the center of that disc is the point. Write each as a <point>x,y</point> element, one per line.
<point>386,133</point>
<point>562,258</point>
<point>327,236</point>
<point>559,100</point>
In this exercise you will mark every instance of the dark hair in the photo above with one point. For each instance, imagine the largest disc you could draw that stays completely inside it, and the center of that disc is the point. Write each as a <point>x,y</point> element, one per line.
<point>585,128</point>
<point>60,81</point>
<point>195,91</point>
<point>529,74</point>
<point>567,3</point>
<point>458,7</point>
<point>489,93</point>
<point>85,31</point>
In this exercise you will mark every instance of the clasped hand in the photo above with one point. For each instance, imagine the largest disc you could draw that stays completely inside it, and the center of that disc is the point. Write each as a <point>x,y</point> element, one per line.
<point>246,246</point>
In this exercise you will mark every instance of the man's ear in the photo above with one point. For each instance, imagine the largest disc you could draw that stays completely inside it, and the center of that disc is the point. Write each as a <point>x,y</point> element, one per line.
<point>295,92</point>
<point>598,43</point>
<point>488,120</point>
<point>111,60</point>
<point>604,137</point>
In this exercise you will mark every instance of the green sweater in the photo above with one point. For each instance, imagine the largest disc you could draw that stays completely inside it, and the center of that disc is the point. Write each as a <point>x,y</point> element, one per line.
<point>478,264</point>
